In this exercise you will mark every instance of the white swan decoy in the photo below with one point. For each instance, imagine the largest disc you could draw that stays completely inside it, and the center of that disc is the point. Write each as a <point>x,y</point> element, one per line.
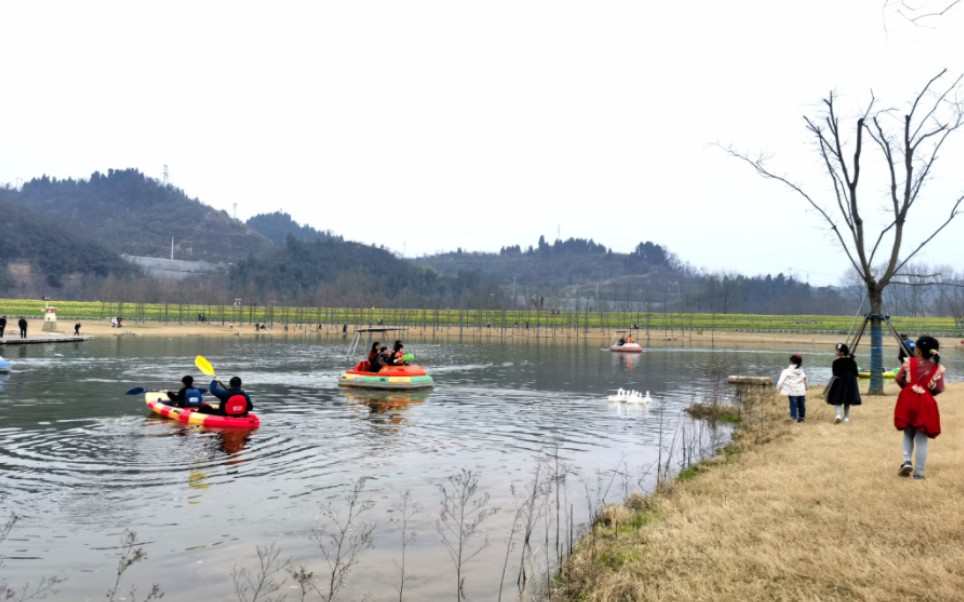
<point>630,396</point>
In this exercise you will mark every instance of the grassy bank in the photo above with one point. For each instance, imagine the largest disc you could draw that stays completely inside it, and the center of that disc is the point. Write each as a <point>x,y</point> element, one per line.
<point>811,511</point>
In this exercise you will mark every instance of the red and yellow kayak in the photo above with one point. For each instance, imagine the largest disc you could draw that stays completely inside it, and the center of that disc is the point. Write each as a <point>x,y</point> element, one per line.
<point>389,377</point>
<point>156,402</point>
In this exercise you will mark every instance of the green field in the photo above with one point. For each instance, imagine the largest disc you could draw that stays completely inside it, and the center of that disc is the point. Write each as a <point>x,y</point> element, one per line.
<point>474,318</point>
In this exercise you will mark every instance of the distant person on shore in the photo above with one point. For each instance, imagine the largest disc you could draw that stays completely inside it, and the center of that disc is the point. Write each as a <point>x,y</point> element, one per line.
<point>920,378</point>
<point>22,322</point>
<point>234,401</point>
<point>906,348</point>
<point>793,384</point>
<point>77,329</point>
<point>842,391</point>
<point>187,396</point>
<point>3,325</point>
<point>113,322</point>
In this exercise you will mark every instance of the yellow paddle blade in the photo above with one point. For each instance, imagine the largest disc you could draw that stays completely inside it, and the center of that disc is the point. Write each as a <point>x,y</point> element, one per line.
<point>204,366</point>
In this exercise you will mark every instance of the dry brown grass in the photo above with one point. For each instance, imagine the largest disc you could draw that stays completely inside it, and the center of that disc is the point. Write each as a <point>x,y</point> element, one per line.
<point>811,511</point>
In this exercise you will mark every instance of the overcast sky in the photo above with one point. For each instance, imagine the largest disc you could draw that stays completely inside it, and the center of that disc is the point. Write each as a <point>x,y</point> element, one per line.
<point>427,126</point>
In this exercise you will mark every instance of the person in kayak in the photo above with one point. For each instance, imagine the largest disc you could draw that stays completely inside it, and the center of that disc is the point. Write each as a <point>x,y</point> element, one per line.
<point>234,401</point>
<point>187,396</point>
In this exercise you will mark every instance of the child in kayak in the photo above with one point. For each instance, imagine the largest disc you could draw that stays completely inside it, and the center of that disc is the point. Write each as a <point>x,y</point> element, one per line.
<point>187,396</point>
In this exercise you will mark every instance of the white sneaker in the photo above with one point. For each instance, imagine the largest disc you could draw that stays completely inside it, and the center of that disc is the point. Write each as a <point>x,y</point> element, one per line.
<point>836,420</point>
<point>846,419</point>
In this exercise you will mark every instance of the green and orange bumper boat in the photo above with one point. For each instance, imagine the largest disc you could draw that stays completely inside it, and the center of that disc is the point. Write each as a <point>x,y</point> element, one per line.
<point>397,378</point>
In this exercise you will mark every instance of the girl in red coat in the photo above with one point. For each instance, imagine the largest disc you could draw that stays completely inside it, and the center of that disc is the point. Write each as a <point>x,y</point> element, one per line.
<point>920,378</point>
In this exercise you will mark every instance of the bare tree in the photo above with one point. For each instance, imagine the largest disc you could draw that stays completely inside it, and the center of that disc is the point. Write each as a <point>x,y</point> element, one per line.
<point>919,11</point>
<point>909,150</point>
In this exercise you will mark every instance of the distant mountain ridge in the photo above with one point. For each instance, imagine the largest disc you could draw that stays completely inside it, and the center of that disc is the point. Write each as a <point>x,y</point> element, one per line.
<point>130,213</point>
<point>70,235</point>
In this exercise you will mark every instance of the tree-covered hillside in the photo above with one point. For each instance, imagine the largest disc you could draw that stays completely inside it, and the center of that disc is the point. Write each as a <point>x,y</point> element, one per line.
<point>278,226</point>
<point>563,263</point>
<point>334,271</point>
<point>37,253</point>
<point>130,213</point>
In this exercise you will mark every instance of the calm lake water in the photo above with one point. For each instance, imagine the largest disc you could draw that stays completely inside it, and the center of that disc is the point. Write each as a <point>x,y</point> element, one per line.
<point>82,462</point>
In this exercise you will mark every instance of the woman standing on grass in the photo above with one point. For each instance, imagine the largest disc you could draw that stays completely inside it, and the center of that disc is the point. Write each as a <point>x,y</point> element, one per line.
<point>843,391</point>
<point>920,378</point>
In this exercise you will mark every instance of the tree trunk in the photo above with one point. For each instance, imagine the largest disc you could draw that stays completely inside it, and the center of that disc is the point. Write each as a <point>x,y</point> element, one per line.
<point>876,342</point>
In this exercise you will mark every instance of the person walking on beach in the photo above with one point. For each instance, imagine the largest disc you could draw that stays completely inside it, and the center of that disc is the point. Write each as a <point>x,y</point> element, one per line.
<point>793,384</point>
<point>3,325</point>
<point>842,391</point>
<point>22,322</point>
<point>920,378</point>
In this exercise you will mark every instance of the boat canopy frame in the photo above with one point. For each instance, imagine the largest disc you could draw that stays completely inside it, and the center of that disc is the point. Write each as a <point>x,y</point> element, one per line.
<point>353,346</point>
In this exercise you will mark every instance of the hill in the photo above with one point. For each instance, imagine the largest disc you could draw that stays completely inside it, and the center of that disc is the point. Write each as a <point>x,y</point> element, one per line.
<point>278,226</point>
<point>124,212</point>
<point>130,213</point>
<point>332,272</point>
<point>563,263</point>
<point>40,255</point>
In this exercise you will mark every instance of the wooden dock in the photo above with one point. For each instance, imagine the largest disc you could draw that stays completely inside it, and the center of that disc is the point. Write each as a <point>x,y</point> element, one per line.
<point>30,340</point>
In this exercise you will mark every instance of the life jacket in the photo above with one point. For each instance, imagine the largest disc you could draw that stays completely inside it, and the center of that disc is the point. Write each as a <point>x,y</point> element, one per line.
<point>236,405</point>
<point>192,398</point>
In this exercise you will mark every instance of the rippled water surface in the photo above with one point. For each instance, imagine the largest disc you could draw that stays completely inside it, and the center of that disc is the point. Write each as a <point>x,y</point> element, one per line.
<point>82,462</point>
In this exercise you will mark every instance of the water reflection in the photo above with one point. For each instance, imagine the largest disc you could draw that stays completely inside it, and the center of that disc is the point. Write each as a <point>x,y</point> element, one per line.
<point>385,407</point>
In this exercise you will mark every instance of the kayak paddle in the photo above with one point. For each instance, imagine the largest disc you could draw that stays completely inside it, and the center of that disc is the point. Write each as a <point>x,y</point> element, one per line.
<point>205,366</point>
<point>142,390</point>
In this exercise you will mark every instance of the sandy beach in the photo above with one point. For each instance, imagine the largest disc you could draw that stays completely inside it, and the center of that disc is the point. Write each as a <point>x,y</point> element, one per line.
<point>103,328</point>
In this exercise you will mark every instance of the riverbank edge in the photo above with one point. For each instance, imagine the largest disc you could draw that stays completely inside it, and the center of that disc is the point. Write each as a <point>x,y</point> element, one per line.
<point>603,337</point>
<point>788,511</point>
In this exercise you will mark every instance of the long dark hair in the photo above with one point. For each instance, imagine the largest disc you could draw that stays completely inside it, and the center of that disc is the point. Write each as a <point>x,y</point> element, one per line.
<point>929,349</point>
<point>842,347</point>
